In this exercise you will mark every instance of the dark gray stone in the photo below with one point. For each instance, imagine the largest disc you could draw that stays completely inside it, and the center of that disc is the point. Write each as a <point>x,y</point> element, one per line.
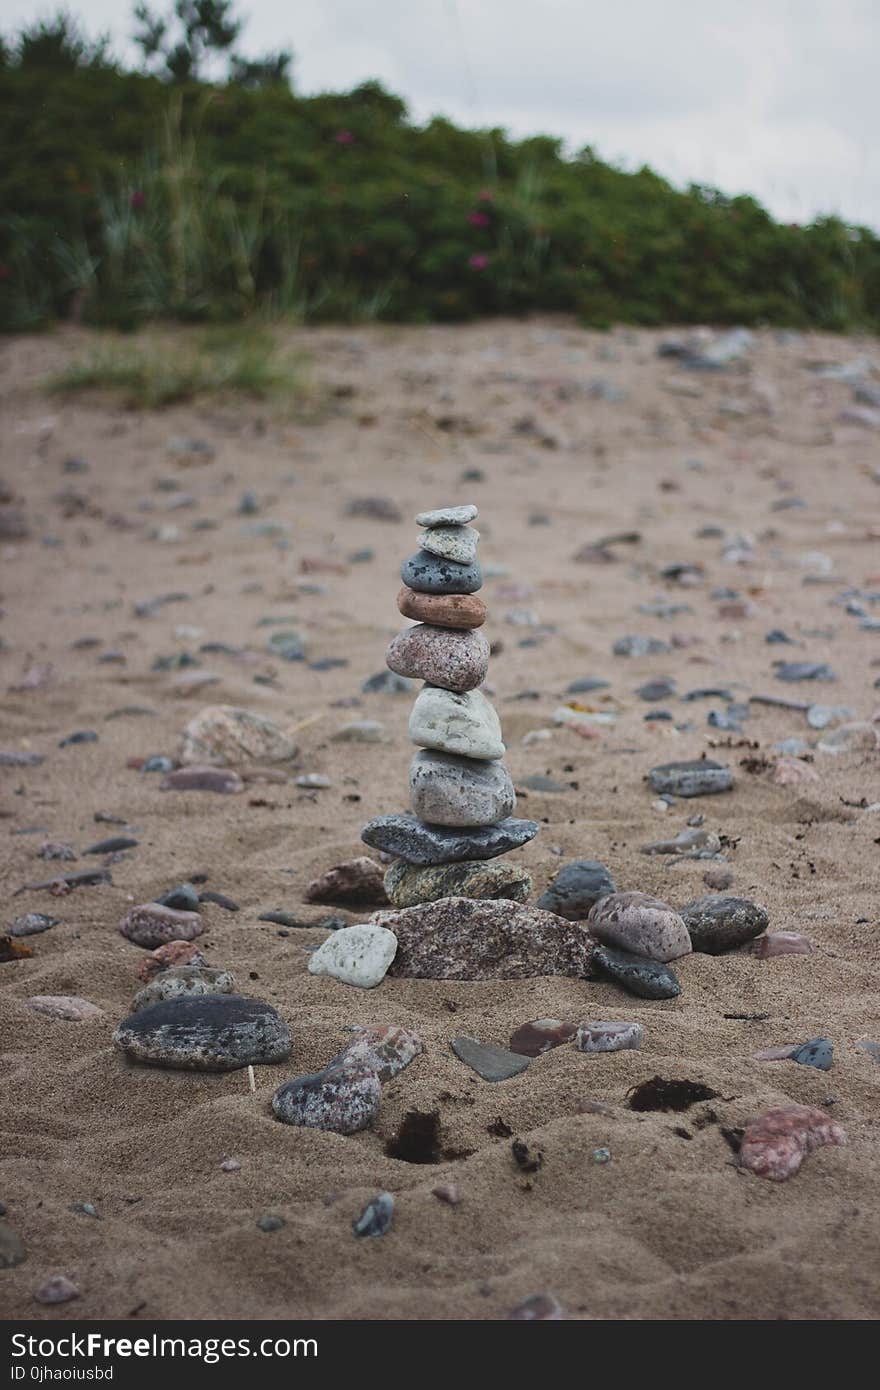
<point>717,924</point>
<point>207,1032</point>
<point>386,683</point>
<point>803,671</point>
<point>431,574</point>
<point>586,684</point>
<point>640,646</point>
<point>183,898</point>
<point>490,1062</point>
<point>701,777</point>
<point>30,923</point>
<point>576,887</point>
<point>818,1052</point>
<point>408,838</point>
<point>344,1099</point>
<point>648,978</point>
<point>659,689</point>
<point>375,1219</point>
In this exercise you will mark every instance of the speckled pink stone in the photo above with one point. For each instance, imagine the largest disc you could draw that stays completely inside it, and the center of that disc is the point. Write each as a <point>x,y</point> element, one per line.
<point>454,660</point>
<point>781,943</point>
<point>776,1143</point>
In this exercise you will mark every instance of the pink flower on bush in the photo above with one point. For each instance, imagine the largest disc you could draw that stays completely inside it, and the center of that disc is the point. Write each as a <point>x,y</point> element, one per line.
<point>478,262</point>
<point>478,219</point>
<point>344,137</point>
<point>485,195</point>
<point>138,200</point>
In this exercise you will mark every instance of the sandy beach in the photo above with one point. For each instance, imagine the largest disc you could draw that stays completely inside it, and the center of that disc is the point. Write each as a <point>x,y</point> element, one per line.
<point>752,504</point>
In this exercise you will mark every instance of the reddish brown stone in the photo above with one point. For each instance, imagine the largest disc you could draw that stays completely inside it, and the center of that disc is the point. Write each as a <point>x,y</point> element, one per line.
<point>469,939</point>
<point>442,610</point>
<point>202,779</point>
<point>542,1034</point>
<point>359,880</point>
<point>776,1143</point>
<point>781,943</point>
<point>164,957</point>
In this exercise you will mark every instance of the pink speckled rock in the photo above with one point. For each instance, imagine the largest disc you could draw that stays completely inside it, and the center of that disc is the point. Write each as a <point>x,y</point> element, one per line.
<point>164,957</point>
<point>441,656</point>
<point>203,779</point>
<point>776,1143</point>
<point>637,922</point>
<point>385,1050</point>
<point>790,772</point>
<point>781,943</point>
<point>58,1289</point>
<point>68,1007</point>
<point>152,925</point>
<point>359,880</point>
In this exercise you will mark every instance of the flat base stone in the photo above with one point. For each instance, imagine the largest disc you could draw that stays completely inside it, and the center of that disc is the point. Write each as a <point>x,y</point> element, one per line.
<point>206,1032</point>
<point>489,1062</point>
<point>409,838</point>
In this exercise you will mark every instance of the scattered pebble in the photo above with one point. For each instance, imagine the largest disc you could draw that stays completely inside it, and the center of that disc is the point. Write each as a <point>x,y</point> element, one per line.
<point>609,1037</point>
<point>151,925</point>
<point>358,955</point>
<point>699,778</point>
<point>649,978</point>
<point>576,888</point>
<point>358,880</point>
<point>718,924</point>
<point>68,1007</point>
<point>57,1289</point>
<point>640,924</point>
<point>781,943</point>
<point>375,1219</point>
<point>344,1099</point>
<point>490,1062</point>
<point>538,1307</point>
<point>775,1144</point>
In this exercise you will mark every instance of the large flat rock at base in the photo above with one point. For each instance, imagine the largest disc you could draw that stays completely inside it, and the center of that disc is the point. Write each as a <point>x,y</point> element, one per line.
<point>409,838</point>
<point>464,939</point>
<point>207,1032</point>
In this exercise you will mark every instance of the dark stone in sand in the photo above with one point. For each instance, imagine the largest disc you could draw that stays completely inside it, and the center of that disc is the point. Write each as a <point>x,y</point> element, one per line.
<point>77,878</point>
<point>468,939</point>
<point>30,923</point>
<point>206,1032</point>
<point>489,1062</point>
<point>659,689</point>
<point>386,683</point>
<point>221,900</point>
<point>818,1052</point>
<point>576,887</point>
<point>12,1249</point>
<point>113,845</point>
<point>343,1099</point>
<point>585,685</point>
<point>203,779</point>
<point>183,898</point>
<point>375,1219</point>
<point>431,574</point>
<point>701,777</point>
<point>716,924</point>
<point>650,979</point>
<point>407,837</point>
<point>81,736</point>
<point>804,671</point>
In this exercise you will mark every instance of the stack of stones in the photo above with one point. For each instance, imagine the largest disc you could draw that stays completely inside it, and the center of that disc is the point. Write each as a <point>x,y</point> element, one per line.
<point>461,792</point>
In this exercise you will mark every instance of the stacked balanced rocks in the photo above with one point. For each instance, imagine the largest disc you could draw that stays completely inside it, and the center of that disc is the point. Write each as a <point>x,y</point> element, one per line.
<point>461,792</point>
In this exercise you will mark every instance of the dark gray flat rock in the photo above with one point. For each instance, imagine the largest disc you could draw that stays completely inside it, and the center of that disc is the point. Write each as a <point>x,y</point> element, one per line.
<point>432,574</point>
<point>206,1032</point>
<point>701,777</point>
<point>576,888</point>
<point>410,839</point>
<point>648,978</point>
<point>490,1062</point>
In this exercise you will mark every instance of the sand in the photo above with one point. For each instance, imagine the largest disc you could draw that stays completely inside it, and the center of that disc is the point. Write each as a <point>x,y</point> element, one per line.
<point>670,1228</point>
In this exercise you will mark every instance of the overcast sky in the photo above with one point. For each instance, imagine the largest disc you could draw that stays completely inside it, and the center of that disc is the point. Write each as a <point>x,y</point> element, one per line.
<point>778,98</point>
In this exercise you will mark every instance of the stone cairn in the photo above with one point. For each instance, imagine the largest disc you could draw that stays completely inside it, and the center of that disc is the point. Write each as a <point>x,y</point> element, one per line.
<point>461,792</point>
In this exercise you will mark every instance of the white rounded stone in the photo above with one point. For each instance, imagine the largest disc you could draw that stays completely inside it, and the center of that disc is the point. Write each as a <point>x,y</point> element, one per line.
<point>457,543</point>
<point>466,723</point>
<point>357,955</point>
<point>448,790</point>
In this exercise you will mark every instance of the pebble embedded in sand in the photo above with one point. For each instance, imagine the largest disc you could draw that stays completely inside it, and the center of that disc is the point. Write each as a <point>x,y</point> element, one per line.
<point>407,885</point>
<point>344,1099</point>
<point>356,881</point>
<point>781,943</point>
<point>541,1035</point>
<point>648,978</point>
<point>701,777</point>
<point>358,955</point>
<point>31,923</point>
<point>69,1007</point>
<point>206,1032</point>
<point>224,736</point>
<point>459,722</point>
<point>404,835</point>
<point>692,841</point>
<point>180,980</point>
<point>490,1062</point>
<point>576,889</point>
<point>538,1307</point>
<point>775,1144</point>
<point>454,660</point>
<point>12,1247</point>
<point>375,1219</point>
<point>457,543</point>
<point>465,939</point>
<point>222,780</point>
<point>717,924</point>
<point>641,924</point>
<point>453,791</point>
<point>386,1050</point>
<point>614,1036</point>
<point>151,925</point>
<point>57,1289</point>
<point>429,574</point>
<point>818,1053</point>
<point>171,954</point>
<point>442,610</point>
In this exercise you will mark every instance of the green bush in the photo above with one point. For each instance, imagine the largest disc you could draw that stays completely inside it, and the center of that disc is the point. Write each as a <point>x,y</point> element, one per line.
<point>125,199</point>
